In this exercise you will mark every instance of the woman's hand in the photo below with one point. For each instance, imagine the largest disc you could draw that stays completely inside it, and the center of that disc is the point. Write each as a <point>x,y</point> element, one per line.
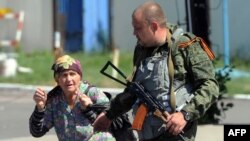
<point>85,101</point>
<point>40,98</point>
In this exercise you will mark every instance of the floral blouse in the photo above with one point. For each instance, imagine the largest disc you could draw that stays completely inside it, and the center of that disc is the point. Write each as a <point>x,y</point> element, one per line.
<point>70,124</point>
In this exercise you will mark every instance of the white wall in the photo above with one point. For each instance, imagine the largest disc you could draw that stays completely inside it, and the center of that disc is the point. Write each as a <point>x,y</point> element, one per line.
<point>37,31</point>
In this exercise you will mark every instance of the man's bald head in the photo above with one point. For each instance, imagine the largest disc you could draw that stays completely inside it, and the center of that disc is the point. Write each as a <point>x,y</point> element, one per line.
<point>151,11</point>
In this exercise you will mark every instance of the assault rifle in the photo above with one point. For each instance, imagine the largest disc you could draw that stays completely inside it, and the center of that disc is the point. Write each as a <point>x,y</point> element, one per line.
<point>146,98</point>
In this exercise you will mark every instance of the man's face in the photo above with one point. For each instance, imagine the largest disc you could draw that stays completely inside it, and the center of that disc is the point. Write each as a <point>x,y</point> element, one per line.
<point>142,31</point>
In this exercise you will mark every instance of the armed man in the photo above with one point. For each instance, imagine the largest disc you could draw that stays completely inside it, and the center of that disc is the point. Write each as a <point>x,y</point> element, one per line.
<point>175,70</point>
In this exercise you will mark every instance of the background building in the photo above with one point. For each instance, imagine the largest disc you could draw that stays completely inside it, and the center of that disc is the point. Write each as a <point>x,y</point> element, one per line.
<point>39,26</point>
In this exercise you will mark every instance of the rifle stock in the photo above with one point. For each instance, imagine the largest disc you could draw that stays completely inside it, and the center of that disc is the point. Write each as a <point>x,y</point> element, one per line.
<point>139,118</point>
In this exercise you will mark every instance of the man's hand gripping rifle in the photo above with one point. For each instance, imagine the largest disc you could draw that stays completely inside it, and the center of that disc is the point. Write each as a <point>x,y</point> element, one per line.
<point>148,101</point>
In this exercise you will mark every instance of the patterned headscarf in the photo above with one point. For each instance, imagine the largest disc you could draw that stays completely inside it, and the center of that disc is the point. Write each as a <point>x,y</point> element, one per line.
<point>66,62</point>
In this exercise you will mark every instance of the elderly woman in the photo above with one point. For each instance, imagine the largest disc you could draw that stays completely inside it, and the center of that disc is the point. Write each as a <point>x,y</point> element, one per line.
<point>66,107</point>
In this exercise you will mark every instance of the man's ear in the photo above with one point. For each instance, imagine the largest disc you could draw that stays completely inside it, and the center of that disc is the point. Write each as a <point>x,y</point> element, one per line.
<point>154,26</point>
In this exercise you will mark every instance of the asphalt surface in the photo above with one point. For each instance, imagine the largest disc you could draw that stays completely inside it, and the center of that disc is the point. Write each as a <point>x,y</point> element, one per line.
<point>16,105</point>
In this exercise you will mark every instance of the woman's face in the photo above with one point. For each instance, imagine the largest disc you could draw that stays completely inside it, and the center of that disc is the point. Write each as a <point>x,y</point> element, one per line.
<point>69,81</point>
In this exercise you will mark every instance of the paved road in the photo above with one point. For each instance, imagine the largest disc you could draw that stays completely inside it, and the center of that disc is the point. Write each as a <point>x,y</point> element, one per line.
<point>16,105</point>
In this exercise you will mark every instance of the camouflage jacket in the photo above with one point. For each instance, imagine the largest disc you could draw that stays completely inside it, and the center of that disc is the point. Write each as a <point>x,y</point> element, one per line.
<point>191,65</point>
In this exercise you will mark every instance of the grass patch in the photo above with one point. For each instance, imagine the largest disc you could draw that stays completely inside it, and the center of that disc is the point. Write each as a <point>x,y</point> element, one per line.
<point>40,63</point>
<point>239,86</point>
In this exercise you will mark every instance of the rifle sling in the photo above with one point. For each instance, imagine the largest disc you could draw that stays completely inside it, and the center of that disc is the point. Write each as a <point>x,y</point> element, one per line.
<point>171,80</point>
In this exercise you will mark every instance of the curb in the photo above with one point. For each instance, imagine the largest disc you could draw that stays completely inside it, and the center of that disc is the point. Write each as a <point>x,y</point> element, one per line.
<point>16,86</point>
